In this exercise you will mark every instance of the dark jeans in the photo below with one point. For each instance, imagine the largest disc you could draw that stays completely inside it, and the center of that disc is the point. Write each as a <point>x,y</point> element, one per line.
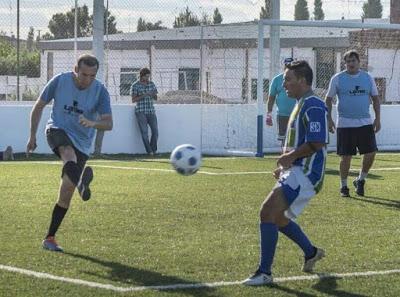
<point>151,120</point>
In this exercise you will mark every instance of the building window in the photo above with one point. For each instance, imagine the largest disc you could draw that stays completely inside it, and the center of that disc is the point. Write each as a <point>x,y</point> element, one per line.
<point>254,87</point>
<point>127,78</point>
<point>189,79</point>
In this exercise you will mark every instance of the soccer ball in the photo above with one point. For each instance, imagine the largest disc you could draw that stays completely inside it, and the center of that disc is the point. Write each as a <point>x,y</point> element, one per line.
<point>186,159</point>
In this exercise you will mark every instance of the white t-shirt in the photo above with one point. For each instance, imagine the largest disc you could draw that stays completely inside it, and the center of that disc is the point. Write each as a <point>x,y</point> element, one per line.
<point>342,122</point>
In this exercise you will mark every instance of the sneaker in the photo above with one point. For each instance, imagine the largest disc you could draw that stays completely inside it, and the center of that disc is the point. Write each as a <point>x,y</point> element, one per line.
<point>50,244</point>
<point>359,185</point>
<point>345,192</point>
<point>309,264</point>
<point>83,185</point>
<point>258,279</point>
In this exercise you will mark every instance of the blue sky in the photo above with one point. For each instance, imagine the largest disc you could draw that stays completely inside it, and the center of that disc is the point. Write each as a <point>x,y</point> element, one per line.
<point>37,14</point>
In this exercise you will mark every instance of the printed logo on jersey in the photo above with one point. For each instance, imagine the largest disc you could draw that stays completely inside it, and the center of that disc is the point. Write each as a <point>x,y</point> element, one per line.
<point>315,127</point>
<point>73,109</point>
<point>357,91</point>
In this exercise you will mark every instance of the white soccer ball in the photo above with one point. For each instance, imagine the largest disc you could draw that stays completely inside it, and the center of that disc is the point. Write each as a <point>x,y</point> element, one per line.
<point>186,159</point>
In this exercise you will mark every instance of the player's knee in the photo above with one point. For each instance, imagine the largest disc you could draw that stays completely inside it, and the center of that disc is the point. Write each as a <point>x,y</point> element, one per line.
<point>73,171</point>
<point>268,211</point>
<point>67,153</point>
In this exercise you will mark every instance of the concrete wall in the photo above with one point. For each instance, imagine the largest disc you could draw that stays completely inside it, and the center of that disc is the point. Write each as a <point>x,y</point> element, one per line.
<point>217,128</point>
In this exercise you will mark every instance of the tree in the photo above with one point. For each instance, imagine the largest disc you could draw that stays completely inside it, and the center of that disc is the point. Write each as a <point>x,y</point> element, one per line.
<point>318,12</point>
<point>148,26</point>
<point>29,39</point>
<point>372,9</point>
<point>217,17</point>
<point>301,10</point>
<point>266,12</point>
<point>186,18</point>
<point>61,25</point>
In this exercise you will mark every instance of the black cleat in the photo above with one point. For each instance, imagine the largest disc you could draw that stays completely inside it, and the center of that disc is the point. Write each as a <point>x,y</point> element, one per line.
<point>83,185</point>
<point>344,192</point>
<point>359,185</point>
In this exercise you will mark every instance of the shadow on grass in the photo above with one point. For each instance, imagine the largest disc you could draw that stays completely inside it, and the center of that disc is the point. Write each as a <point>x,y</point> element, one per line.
<point>291,291</point>
<point>378,201</point>
<point>354,174</point>
<point>122,273</point>
<point>328,285</point>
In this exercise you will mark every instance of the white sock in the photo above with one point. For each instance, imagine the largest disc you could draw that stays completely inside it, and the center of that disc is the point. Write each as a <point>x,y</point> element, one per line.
<point>343,183</point>
<point>362,175</point>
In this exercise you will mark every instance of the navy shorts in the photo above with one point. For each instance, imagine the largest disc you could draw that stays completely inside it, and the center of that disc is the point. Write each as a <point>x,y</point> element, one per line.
<point>351,140</point>
<point>57,138</point>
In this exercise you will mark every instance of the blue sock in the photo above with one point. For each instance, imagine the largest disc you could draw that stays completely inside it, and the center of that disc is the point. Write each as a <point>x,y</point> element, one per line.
<point>268,240</point>
<point>294,232</point>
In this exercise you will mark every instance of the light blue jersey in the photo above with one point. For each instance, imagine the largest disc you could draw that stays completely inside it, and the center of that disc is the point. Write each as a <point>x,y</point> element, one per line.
<point>308,123</point>
<point>70,103</point>
<point>284,103</point>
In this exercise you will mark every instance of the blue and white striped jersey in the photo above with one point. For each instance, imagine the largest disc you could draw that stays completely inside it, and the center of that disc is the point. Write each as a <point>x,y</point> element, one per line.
<point>308,123</point>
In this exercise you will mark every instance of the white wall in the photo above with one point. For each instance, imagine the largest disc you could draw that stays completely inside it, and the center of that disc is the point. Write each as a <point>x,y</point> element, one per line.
<point>225,127</point>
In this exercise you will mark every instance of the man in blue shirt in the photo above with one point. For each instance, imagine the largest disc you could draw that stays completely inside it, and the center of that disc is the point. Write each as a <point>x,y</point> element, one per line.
<point>300,174</point>
<point>284,104</point>
<point>81,104</point>
<point>354,89</point>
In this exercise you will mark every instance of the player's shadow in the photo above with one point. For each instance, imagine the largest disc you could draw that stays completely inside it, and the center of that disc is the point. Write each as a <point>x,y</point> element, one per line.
<point>328,286</point>
<point>122,273</point>
<point>354,174</point>
<point>378,201</point>
<point>291,292</point>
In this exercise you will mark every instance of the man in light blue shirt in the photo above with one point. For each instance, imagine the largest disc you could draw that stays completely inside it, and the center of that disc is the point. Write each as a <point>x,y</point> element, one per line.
<point>300,174</point>
<point>355,128</point>
<point>81,104</point>
<point>284,104</point>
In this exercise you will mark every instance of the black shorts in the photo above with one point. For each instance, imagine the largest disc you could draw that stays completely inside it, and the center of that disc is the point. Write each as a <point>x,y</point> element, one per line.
<point>57,138</point>
<point>349,140</point>
<point>282,126</point>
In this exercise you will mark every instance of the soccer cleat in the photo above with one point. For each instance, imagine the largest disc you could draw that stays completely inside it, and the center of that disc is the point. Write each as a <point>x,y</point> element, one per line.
<point>258,279</point>
<point>345,192</point>
<point>309,264</point>
<point>50,244</point>
<point>359,185</point>
<point>83,185</point>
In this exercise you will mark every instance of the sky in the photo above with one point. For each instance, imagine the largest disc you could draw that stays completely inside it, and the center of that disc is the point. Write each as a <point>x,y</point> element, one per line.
<point>37,13</point>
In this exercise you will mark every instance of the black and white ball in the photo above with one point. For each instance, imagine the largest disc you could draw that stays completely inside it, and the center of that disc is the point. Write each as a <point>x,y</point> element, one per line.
<point>186,159</point>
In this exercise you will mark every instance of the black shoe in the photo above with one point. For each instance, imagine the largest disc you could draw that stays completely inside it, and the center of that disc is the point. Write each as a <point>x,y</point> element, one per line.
<point>83,185</point>
<point>359,185</point>
<point>345,192</point>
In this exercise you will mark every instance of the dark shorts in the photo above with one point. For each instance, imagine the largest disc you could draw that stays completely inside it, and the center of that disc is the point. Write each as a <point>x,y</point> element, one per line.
<point>282,122</point>
<point>349,140</point>
<point>57,138</point>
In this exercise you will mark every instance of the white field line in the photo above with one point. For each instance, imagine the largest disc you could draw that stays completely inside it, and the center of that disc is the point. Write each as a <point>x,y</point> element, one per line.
<point>171,170</point>
<point>75,281</point>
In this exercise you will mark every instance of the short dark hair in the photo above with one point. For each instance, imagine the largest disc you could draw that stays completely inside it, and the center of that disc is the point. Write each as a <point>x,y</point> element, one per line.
<point>88,60</point>
<point>144,71</point>
<point>301,69</point>
<point>351,53</point>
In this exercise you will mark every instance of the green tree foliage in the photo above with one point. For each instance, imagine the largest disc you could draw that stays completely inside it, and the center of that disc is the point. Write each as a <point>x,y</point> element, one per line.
<point>372,9</point>
<point>318,12</point>
<point>29,60</point>
<point>148,26</point>
<point>61,25</point>
<point>266,11</point>
<point>29,40</point>
<point>301,10</point>
<point>217,17</point>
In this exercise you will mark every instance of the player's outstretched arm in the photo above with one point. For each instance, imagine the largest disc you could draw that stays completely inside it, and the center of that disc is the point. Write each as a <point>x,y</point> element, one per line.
<point>36,115</point>
<point>104,123</point>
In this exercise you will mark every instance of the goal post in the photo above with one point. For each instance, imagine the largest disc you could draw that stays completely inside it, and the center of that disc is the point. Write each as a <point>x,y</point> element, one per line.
<point>322,44</point>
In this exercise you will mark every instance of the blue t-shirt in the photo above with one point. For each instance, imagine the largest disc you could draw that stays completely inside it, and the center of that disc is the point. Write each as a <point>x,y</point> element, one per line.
<point>308,123</point>
<point>70,103</point>
<point>284,103</point>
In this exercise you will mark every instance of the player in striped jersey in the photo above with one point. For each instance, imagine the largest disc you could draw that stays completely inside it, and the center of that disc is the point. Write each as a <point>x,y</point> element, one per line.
<point>300,174</point>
